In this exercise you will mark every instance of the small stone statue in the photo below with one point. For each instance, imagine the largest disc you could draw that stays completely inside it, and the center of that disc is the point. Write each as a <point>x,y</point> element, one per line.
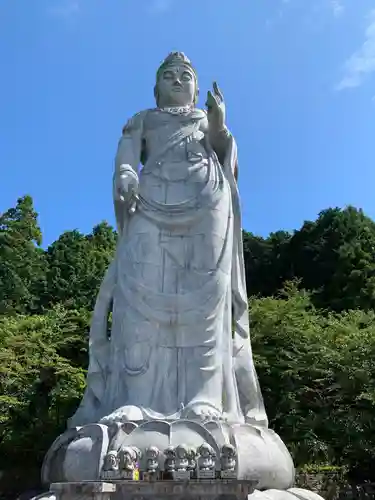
<point>128,462</point>
<point>192,455</point>
<point>152,454</point>
<point>228,461</point>
<point>206,462</point>
<point>181,472</point>
<point>182,460</point>
<point>138,454</point>
<point>111,465</point>
<point>170,459</point>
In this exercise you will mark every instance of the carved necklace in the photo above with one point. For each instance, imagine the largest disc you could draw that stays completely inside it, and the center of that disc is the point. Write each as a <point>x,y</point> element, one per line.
<point>177,110</point>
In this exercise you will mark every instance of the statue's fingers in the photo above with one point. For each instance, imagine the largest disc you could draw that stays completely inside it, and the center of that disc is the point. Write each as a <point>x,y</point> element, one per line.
<point>210,99</point>
<point>215,100</point>
<point>218,91</point>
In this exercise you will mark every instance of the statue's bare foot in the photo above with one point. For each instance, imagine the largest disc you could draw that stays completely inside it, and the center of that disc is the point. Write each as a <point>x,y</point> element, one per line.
<point>201,411</point>
<point>128,413</point>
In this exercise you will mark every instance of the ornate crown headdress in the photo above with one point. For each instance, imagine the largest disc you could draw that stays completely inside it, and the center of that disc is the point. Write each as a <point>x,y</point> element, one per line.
<point>181,59</point>
<point>176,58</point>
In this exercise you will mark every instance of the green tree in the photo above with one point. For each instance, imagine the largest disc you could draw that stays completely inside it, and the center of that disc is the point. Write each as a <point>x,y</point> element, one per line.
<point>76,265</point>
<point>22,262</point>
<point>42,376</point>
<point>334,257</point>
<point>317,374</point>
<point>266,262</point>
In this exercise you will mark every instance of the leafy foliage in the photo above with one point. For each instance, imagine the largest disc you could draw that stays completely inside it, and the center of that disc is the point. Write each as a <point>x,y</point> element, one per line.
<point>312,319</point>
<point>42,376</point>
<point>317,373</point>
<point>76,265</point>
<point>22,262</point>
<point>332,256</point>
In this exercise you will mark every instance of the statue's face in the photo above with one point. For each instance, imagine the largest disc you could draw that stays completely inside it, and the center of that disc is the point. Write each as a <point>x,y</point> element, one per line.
<point>111,460</point>
<point>181,453</point>
<point>205,451</point>
<point>176,86</point>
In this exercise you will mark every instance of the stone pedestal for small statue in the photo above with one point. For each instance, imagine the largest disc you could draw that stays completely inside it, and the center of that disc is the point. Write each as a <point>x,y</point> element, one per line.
<point>163,490</point>
<point>83,491</point>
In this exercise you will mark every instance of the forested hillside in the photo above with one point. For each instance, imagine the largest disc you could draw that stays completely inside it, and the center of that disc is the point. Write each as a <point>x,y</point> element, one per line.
<point>312,301</point>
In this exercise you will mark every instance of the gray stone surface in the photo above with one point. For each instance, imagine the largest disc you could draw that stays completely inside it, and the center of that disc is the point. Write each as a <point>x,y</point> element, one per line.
<point>209,489</point>
<point>198,490</point>
<point>302,494</point>
<point>43,496</point>
<point>52,469</point>
<point>291,494</point>
<point>83,491</point>
<point>85,455</point>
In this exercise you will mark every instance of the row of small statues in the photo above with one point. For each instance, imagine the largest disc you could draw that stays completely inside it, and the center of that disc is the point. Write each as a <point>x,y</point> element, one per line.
<point>180,462</point>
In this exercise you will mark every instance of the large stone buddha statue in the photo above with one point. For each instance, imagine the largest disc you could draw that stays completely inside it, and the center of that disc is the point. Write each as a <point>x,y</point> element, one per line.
<point>179,341</point>
<point>173,369</point>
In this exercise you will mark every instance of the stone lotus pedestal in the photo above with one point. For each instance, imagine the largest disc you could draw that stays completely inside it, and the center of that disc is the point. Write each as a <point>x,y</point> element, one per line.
<point>78,455</point>
<point>73,467</point>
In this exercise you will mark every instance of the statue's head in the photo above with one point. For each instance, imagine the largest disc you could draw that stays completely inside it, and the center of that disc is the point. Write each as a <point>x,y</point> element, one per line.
<point>152,452</point>
<point>170,452</point>
<point>228,450</point>
<point>111,460</point>
<point>182,451</point>
<point>127,455</point>
<point>176,82</point>
<point>205,450</point>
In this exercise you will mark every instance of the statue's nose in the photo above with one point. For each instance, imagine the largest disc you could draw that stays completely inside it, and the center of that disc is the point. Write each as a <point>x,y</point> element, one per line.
<point>177,83</point>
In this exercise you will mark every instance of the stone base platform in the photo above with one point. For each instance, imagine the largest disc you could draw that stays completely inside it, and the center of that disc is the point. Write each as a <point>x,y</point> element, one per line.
<point>162,490</point>
<point>158,490</point>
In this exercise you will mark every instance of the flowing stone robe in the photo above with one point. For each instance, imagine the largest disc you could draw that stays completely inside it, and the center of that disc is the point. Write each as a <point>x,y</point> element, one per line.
<point>179,343</point>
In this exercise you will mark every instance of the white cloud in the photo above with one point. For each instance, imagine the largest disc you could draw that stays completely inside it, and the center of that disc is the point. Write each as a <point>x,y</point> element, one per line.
<point>362,63</point>
<point>337,7</point>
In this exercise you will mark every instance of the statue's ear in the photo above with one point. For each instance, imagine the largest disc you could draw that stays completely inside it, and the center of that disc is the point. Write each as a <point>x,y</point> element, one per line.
<point>156,95</point>
<point>196,96</point>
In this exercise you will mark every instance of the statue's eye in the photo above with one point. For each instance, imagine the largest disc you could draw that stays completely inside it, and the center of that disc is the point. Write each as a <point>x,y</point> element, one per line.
<point>168,75</point>
<point>186,77</point>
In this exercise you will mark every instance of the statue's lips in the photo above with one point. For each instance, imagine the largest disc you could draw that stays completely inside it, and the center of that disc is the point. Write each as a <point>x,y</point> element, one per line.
<point>177,89</point>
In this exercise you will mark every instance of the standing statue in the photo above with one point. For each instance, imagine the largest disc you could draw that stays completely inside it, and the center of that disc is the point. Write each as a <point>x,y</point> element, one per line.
<point>174,365</point>
<point>179,343</point>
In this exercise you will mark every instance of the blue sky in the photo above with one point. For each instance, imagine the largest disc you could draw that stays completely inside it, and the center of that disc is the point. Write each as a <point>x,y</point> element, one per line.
<point>298,77</point>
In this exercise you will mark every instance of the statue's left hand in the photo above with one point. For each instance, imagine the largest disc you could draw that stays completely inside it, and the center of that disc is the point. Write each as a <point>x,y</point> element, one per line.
<point>215,109</point>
